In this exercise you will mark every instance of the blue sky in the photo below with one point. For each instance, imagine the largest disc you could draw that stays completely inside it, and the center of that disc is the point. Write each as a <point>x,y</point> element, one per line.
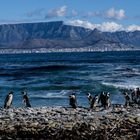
<point>103,14</point>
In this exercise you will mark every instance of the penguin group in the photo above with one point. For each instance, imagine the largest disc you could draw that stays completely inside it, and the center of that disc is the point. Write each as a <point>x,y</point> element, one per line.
<point>92,100</point>
<point>104,101</point>
<point>133,97</point>
<point>9,99</point>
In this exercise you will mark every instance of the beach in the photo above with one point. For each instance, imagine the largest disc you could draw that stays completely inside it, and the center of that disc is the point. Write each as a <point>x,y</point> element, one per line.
<point>63,123</point>
<point>49,80</point>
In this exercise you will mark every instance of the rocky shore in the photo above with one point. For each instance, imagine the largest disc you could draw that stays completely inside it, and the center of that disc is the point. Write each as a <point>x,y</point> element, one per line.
<point>60,123</point>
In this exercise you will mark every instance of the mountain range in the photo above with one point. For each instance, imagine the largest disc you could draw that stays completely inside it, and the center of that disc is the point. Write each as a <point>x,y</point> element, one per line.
<point>57,35</point>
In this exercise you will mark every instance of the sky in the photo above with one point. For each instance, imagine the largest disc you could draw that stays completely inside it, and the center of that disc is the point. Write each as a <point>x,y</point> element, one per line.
<point>105,15</point>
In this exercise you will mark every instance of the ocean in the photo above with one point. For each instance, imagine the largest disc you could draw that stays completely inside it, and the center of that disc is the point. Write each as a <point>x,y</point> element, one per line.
<point>50,78</point>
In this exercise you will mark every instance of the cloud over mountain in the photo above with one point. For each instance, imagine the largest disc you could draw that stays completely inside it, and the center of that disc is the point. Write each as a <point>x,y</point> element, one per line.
<point>57,12</point>
<point>112,13</point>
<point>108,20</point>
<point>133,27</point>
<point>105,26</point>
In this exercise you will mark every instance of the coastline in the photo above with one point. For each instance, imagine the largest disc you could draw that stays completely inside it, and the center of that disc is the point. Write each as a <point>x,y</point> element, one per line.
<point>61,50</point>
<point>117,122</point>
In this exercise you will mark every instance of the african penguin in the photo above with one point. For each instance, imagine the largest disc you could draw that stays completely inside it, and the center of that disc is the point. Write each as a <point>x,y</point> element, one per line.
<point>8,100</point>
<point>94,102</point>
<point>108,103</point>
<point>134,95</point>
<point>26,99</point>
<point>138,95</point>
<point>102,99</point>
<point>127,99</point>
<point>89,96</point>
<point>72,101</point>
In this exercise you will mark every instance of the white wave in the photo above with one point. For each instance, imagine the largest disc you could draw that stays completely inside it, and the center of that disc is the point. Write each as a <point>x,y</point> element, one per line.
<point>122,85</point>
<point>62,94</point>
<point>128,70</point>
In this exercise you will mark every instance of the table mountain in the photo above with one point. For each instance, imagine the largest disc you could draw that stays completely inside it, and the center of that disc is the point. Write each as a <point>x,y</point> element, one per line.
<point>57,35</point>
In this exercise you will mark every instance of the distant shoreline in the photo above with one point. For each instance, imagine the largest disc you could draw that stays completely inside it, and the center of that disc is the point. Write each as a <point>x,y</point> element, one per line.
<point>66,50</point>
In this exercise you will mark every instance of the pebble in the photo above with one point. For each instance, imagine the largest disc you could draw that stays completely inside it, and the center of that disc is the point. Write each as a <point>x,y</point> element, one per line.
<point>138,120</point>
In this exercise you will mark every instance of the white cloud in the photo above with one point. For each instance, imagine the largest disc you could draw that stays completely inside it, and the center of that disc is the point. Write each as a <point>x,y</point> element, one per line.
<point>133,28</point>
<point>105,26</point>
<point>110,26</point>
<point>57,12</point>
<point>111,13</point>
<point>82,23</point>
<point>115,14</point>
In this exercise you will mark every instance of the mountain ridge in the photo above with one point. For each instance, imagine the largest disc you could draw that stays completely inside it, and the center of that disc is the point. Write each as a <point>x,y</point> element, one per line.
<point>57,35</point>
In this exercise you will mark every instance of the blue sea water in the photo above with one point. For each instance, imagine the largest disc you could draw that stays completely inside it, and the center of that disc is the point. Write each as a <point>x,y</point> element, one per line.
<point>50,78</point>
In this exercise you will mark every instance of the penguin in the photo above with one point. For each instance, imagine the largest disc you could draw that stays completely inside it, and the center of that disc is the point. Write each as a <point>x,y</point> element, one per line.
<point>133,97</point>
<point>127,99</point>
<point>138,95</point>
<point>26,99</point>
<point>94,102</point>
<point>107,100</point>
<point>72,101</point>
<point>8,100</point>
<point>102,99</point>
<point>89,96</point>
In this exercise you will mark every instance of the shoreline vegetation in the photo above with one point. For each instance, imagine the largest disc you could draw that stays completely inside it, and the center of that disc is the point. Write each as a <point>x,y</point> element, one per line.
<point>52,50</point>
<point>63,123</point>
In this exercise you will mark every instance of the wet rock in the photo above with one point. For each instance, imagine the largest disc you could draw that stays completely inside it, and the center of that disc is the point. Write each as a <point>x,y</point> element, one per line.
<point>69,126</point>
<point>34,125</point>
<point>110,117</point>
<point>138,119</point>
<point>131,120</point>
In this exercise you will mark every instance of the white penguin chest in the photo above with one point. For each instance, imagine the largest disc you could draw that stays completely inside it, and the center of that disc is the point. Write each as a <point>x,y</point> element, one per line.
<point>10,100</point>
